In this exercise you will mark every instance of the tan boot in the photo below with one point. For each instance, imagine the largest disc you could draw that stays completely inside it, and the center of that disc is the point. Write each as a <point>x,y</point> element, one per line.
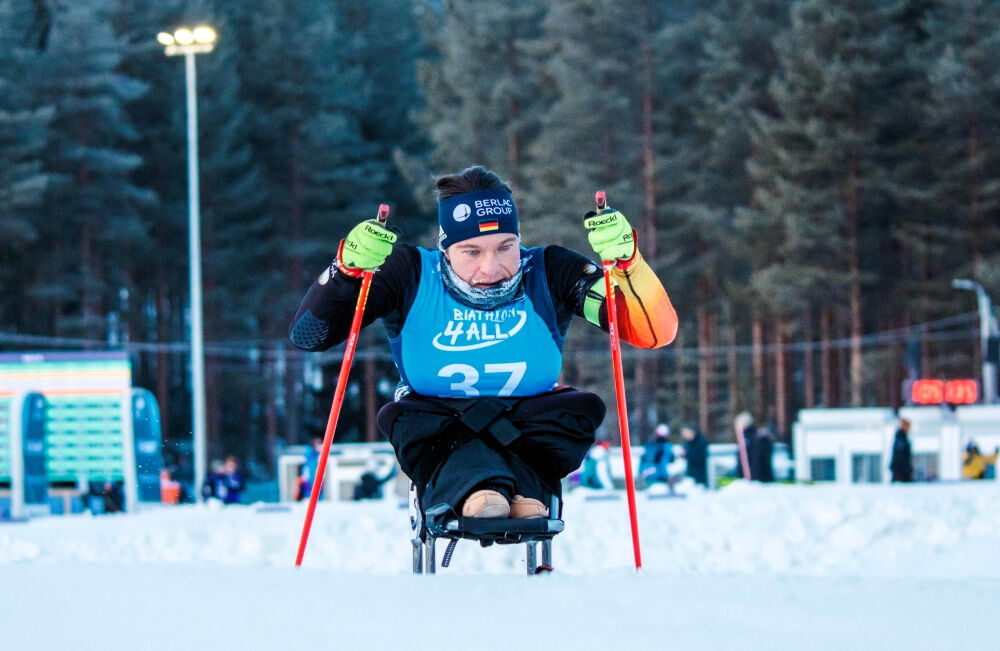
<point>485,504</point>
<point>527,507</point>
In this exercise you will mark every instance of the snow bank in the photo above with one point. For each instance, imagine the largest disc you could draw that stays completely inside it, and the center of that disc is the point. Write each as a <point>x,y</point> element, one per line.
<point>915,530</point>
<point>762,567</point>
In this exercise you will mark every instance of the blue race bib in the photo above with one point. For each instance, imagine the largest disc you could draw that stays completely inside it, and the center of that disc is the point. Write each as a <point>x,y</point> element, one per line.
<point>448,350</point>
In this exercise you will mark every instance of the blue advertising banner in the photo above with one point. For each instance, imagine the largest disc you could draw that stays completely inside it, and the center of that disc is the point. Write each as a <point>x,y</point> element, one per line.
<point>36,486</point>
<point>148,444</point>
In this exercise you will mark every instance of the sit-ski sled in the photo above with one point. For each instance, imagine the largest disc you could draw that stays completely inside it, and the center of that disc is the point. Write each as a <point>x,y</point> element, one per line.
<point>487,531</point>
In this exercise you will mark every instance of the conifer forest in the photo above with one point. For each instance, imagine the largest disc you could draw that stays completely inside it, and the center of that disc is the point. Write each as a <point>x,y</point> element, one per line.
<point>807,177</point>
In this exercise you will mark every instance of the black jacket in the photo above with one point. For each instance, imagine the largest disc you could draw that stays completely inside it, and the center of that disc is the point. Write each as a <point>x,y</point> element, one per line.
<point>761,452</point>
<point>696,453</point>
<point>901,464</point>
<point>324,317</point>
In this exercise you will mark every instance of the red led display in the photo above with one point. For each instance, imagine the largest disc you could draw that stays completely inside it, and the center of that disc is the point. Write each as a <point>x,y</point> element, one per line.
<point>927,392</point>
<point>935,392</point>
<point>961,392</point>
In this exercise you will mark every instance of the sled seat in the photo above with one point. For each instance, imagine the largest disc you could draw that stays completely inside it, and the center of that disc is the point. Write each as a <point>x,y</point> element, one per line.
<point>487,531</point>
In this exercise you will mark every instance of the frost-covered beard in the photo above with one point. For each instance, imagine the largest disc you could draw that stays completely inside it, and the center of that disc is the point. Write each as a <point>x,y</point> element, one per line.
<point>482,298</point>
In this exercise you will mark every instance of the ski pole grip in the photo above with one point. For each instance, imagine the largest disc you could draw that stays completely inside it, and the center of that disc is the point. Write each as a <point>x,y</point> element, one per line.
<point>383,213</point>
<point>601,200</point>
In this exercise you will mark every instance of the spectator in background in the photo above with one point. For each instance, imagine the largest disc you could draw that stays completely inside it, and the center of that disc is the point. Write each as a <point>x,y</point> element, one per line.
<point>597,466</point>
<point>657,454</point>
<point>232,480</point>
<point>746,432</point>
<point>182,471</point>
<point>224,483</point>
<point>170,490</point>
<point>308,472</point>
<point>761,455</point>
<point>974,464</point>
<point>377,473</point>
<point>901,464</point>
<point>696,453</point>
<point>211,479</point>
<point>105,497</point>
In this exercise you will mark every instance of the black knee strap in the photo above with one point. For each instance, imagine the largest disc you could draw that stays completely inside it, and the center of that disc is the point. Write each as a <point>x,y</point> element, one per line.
<point>504,431</point>
<point>481,413</point>
<point>486,414</point>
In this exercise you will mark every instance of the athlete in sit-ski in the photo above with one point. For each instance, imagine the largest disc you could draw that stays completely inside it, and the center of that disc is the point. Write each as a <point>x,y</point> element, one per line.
<point>476,330</point>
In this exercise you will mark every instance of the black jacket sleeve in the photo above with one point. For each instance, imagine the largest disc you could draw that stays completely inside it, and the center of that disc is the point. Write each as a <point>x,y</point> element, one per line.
<point>569,276</point>
<point>324,317</point>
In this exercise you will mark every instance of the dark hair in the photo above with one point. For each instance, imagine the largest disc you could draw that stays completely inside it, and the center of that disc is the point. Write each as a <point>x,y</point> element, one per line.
<point>472,178</point>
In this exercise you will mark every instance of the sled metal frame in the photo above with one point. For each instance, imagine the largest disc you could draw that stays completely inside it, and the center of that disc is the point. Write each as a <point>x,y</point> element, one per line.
<point>487,532</point>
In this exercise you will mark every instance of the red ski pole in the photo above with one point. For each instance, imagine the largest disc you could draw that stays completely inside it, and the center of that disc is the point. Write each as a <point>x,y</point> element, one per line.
<point>616,362</point>
<point>338,399</point>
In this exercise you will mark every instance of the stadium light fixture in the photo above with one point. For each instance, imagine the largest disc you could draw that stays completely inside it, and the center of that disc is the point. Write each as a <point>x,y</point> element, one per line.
<point>203,34</point>
<point>188,40</point>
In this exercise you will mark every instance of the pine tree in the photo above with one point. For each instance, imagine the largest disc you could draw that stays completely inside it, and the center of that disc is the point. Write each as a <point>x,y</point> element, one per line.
<point>730,45</point>
<point>819,166</point>
<point>590,135</point>
<point>610,124</point>
<point>322,173</point>
<point>93,225</point>
<point>23,137</point>
<point>961,233</point>
<point>481,96</point>
<point>383,40</point>
<point>159,289</point>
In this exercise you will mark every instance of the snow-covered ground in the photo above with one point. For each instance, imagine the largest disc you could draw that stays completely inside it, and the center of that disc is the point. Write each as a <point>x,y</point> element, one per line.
<point>762,567</point>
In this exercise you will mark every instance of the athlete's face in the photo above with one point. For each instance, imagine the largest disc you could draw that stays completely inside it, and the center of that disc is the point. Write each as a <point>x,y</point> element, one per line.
<point>485,260</point>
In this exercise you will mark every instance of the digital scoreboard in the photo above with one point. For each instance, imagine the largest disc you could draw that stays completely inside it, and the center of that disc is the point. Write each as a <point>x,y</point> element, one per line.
<point>929,391</point>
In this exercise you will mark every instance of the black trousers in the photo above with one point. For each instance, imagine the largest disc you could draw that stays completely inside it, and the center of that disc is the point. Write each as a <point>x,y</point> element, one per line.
<point>448,447</point>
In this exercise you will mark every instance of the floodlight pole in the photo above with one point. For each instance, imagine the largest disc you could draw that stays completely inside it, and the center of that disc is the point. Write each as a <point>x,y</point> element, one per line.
<point>194,248</point>
<point>189,43</point>
<point>987,327</point>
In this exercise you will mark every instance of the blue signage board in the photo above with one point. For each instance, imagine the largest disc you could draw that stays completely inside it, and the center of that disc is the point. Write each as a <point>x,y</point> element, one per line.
<point>36,486</point>
<point>148,444</point>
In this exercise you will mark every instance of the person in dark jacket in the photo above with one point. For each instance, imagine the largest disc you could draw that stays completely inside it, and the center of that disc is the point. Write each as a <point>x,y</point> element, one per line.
<point>901,464</point>
<point>377,473</point>
<point>657,454</point>
<point>225,482</point>
<point>106,497</point>
<point>476,328</point>
<point>761,455</point>
<point>696,454</point>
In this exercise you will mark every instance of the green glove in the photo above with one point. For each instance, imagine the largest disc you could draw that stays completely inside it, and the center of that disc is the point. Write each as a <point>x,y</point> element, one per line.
<point>366,246</point>
<point>610,235</point>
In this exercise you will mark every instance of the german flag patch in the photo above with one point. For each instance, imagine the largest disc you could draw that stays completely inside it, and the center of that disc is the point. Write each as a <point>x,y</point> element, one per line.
<point>488,225</point>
